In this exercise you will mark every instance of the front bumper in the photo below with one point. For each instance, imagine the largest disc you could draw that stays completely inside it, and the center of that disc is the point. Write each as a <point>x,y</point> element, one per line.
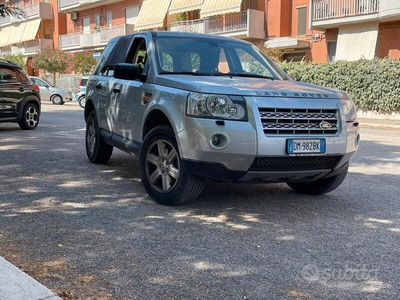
<point>246,144</point>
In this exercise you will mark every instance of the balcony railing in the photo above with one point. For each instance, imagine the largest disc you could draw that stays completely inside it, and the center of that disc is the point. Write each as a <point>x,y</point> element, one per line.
<point>249,23</point>
<point>29,48</point>
<point>41,10</point>
<point>334,9</point>
<point>96,38</point>
<point>78,5</point>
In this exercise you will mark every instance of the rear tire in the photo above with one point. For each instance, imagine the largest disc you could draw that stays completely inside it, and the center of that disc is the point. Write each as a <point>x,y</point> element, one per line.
<point>30,117</point>
<point>97,150</point>
<point>321,186</point>
<point>82,101</point>
<point>57,100</point>
<point>163,174</point>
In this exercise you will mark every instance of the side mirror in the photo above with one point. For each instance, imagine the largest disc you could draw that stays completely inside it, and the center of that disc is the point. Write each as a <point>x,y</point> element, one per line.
<point>128,72</point>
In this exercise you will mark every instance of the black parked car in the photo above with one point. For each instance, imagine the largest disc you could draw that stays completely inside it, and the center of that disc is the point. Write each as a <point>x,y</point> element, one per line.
<point>19,97</point>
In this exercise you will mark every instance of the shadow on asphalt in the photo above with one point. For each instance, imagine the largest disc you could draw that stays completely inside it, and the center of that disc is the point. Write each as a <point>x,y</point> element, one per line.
<point>90,230</point>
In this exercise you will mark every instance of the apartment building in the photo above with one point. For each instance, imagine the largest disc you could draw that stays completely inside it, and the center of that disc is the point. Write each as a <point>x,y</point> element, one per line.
<point>92,23</point>
<point>324,31</point>
<point>38,29</point>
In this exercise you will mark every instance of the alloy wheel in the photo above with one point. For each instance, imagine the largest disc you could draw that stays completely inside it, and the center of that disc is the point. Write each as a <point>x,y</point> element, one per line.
<point>32,116</point>
<point>91,136</point>
<point>162,166</point>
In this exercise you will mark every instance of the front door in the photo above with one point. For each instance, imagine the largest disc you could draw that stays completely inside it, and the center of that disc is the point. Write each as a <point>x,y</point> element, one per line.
<point>130,105</point>
<point>12,92</point>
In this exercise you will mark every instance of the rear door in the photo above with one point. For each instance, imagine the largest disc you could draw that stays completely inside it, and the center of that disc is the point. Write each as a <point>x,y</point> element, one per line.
<point>12,92</point>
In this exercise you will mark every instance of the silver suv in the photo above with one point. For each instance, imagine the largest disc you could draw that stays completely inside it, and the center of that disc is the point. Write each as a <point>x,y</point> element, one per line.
<point>197,107</point>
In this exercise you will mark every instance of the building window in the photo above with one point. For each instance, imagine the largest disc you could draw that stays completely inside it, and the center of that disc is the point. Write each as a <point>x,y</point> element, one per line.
<point>97,21</point>
<point>47,32</point>
<point>298,56</point>
<point>332,51</point>
<point>302,21</point>
<point>109,18</point>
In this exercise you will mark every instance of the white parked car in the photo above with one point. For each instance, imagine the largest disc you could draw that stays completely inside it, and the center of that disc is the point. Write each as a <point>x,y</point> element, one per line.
<point>49,92</point>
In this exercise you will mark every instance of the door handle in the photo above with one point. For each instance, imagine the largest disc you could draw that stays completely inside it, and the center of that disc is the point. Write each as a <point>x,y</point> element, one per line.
<point>98,86</point>
<point>21,89</point>
<point>117,90</point>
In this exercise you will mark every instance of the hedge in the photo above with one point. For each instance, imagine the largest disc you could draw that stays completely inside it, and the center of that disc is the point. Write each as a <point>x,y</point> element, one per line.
<point>374,85</point>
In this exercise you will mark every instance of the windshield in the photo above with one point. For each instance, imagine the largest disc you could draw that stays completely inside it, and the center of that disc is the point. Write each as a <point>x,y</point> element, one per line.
<point>212,57</point>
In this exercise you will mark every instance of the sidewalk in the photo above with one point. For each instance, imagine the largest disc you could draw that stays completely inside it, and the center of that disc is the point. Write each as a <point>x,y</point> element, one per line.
<point>377,120</point>
<point>379,123</point>
<point>16,285</point>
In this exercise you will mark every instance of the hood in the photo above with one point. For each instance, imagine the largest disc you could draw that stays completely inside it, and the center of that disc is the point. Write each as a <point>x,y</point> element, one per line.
<point>247,86</point>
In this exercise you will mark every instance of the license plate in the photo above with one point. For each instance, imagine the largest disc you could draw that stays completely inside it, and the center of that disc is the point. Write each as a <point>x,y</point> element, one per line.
<point>304,146</point>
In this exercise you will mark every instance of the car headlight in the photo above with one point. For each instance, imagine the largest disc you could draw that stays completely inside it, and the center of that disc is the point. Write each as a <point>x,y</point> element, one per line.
<point>216,106</point>
<point>349,109</point>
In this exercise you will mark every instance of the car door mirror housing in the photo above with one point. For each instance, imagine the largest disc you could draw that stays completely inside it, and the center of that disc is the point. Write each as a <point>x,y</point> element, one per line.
<point>128,72</point>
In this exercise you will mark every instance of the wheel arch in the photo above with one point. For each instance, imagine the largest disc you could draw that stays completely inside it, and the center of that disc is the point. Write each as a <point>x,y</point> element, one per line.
<point>55,94</point>
<point>89,107</point>
<point>156,117</point>
<point>29,99</point>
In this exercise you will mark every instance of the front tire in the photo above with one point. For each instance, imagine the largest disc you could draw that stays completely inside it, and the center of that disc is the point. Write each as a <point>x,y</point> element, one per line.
<point>57,100</point>
<point>30,117</point>
<point>321,186</point>
<point>163,174</point>
<point>97,150</point>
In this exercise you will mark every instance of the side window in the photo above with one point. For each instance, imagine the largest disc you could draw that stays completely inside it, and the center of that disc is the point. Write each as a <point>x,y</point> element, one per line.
<point>118,54</point>
<point>138,53</point>
<point>22,75</point>
<point>104,57</point>
<point>8,74</point>
<point>40,82</point>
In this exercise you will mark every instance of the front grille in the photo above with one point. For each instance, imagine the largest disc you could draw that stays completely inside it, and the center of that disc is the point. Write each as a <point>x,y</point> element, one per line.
<point>299,121</point>
<point>294,163</point>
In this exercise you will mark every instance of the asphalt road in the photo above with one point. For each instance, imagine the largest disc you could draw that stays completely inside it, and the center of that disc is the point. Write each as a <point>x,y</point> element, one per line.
<point>89,230</point>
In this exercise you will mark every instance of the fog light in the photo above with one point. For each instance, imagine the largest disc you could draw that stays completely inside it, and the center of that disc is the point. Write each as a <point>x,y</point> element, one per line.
<point>219,141</point>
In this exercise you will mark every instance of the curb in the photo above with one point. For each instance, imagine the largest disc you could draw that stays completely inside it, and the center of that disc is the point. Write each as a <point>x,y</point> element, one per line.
<point>17,285</point>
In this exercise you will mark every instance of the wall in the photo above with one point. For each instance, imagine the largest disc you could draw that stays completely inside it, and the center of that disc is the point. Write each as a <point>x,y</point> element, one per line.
<point>279,17</point>
<point>388,38</point>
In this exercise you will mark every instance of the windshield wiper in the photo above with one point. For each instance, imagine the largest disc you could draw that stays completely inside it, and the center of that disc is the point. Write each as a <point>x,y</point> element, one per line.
<point>186,73</point>
<point>219,74</point>
<point>246,75</point>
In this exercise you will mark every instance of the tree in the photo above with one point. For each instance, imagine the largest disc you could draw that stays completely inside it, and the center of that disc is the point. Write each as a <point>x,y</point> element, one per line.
<point>51,61</point>
<point>7,10</point>
<point>83,62</point>
<point>19,59</point>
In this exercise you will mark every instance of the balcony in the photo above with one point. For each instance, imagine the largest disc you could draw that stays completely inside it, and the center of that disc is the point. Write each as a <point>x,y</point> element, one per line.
<point>68,6</point>
<point>29,48</point>
<point>247,24</point>
<point>39,10</point>
<point>334,13</point>
<point>95,39</point>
